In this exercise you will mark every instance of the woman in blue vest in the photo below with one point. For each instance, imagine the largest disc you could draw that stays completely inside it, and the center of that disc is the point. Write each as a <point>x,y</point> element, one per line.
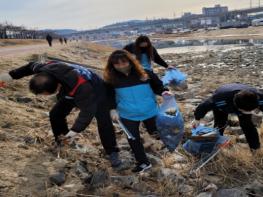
<point>132,96</point>
<point>145,53</point>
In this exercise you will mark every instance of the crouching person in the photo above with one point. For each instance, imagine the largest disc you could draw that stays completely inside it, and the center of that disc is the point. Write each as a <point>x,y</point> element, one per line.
<point>77,87</point>
<point>237,99</point>
<point>132,93</point>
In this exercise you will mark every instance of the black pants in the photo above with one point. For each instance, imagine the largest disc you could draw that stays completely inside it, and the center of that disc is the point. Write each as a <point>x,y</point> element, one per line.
<point>245,121</point>
<point>136,145</point>
<point>59,124</point>
<point>49,43</point>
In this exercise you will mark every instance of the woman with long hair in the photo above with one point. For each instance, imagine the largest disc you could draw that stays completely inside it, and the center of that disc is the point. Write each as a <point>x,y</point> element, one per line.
<point>145,52</point>
<point>132,96</point>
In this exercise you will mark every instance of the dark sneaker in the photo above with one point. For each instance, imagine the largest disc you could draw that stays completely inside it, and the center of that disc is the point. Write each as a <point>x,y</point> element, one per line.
<point>114,159</point>
<point>142,167</point>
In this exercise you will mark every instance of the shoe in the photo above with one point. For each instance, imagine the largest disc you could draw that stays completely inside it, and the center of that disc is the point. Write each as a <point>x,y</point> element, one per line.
<point>114,159</point>
<point>142,167</point>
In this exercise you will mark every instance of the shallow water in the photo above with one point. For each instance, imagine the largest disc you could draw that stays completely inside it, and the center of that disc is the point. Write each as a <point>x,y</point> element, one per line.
<point>193,49</point>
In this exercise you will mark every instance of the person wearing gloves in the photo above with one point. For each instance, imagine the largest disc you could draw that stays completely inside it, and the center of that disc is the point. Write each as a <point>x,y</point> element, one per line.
<point>145,53</point>
<point>236,98</point>
<point>76,87</point>
<point>131,92</point>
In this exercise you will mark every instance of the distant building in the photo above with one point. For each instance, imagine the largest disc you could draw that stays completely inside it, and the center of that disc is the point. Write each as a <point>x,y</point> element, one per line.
<point>205,21</point>
<point>217,10</point>
<point>187,14</point>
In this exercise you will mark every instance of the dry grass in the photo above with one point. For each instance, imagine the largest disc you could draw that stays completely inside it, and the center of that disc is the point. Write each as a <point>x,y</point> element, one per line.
<point>14,42</point>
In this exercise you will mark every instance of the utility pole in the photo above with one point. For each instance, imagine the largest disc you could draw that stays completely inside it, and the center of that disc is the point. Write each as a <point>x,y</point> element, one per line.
<point>259,3</point>
<point>250,3</point>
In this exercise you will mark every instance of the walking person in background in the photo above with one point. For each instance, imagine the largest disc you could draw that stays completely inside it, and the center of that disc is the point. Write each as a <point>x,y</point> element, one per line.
<point>49,39</point>
<point>61,40</point>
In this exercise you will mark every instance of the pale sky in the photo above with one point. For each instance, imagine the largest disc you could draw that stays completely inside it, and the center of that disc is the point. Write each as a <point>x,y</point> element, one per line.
<point>89,14</point>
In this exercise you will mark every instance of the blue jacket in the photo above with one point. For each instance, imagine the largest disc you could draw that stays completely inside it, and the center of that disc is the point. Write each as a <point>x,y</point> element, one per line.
<point>135,99</point>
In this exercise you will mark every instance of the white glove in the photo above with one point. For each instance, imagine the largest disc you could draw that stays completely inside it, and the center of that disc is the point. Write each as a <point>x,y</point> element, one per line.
<point>114,115</point>
<point>4,77</point>
<point>167,93</point>
<point>171,67</point>
<point>70,137</point>
<point>195,123</point>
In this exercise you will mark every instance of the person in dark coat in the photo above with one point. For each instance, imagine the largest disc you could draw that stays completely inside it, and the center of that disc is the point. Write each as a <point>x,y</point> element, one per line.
<point>236,98</point>
<point>49,39</point>
<point>77,87</point>
<point>145,53</point>
<point>61,40</point>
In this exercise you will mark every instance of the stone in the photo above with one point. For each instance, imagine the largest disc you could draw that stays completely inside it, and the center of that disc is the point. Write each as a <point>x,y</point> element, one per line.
<point>205,194</point>
<point>100,178</point>
<point>211,187</point>
<point>209,117</point>
<point>257,120</point>
<point>29,140</point>
<point>23,146</point>
<point>178,158</point>
<point>7,125</point>
<point>60,164</point>
<point>23,100</point>
<point>3,137</point>
<point>155,160</point>
<point>125,181</point>
<point>82,171</point>
<point>242,139</point>
<point>185,189</point>
<point>170,174</point>
<point>255,188</point>
<point>235,192</point>
<point>235,130</point>
<point>213,179</point>
<point>58,178</point>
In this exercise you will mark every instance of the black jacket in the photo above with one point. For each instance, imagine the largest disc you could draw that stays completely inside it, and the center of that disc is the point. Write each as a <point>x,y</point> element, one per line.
<point>86,95</point>
<point>222,99</point>
<point>156,57</point>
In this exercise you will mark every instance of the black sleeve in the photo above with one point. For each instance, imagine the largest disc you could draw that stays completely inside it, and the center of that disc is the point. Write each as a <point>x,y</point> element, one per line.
<point>157,59</point>
<point>86,101</point>
<point>23,71</point>
<point>203,108</point>
<point>111,96</point>
<point>156,84</point>
<point>130,48</point>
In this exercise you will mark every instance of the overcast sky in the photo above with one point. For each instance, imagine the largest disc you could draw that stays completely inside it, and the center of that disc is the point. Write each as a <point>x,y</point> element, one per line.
<point>88,14</point>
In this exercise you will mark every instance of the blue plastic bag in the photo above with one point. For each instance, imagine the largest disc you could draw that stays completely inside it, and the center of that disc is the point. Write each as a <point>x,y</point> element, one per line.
<point>200,147</point>
<point>173,77</point>
<point>170,127</point>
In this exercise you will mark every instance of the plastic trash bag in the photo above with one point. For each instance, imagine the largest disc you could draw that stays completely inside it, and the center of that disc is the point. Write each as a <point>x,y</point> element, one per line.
<point>170,123</point>
<point>203,145</point>
<point>174,77</point>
